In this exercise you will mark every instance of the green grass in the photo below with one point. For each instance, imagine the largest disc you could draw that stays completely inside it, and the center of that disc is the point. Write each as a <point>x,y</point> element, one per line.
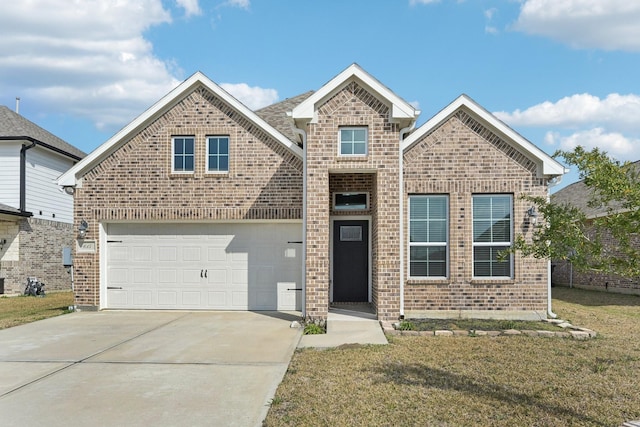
<point>482,381</point>
<point>18,310</point>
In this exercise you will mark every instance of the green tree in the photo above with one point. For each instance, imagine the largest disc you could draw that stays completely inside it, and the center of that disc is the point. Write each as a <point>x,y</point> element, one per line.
<point>566,233</point>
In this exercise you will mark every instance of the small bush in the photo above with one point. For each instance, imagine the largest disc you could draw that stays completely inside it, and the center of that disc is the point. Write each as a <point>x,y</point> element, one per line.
<point>315,327</point>
<point>406,325</point>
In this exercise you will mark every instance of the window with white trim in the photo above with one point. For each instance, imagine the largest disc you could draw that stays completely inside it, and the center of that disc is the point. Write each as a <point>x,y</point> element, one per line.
<point>218,154</point>
<point>183,154</point>
<point>492,231</point>
<point>428,236</point>
<point>353,141</point>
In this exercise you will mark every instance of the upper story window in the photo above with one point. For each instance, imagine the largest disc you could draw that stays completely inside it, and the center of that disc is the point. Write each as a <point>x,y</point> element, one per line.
<point>428,236</point>
<point>183,154</point>
<point>492,231</point>
<point>218,154</point>
<point>353,141</point>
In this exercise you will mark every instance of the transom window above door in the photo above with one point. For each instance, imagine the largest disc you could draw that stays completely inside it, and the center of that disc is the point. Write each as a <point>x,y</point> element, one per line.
<point>350,201</point>
<point>218,154</point>
<point>183,154</point>
<point>353,141</point>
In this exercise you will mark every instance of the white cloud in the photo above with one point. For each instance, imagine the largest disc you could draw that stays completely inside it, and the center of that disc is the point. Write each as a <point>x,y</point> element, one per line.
<point>609,25</point>
<point>617,111</point>
<point>614,143</point>
<point>415,2</point>
<point>89,59</point>
<point>252,96</point>
<point>191,7</point>
<point>242,4</point>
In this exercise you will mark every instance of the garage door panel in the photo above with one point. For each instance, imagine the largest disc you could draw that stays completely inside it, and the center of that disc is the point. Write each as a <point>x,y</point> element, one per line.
<point>217,299</point>
<point>203,266</point>
<point>168,299</point>
<point>142,298</point>
<point>167,253</point>
<point>217,277</point>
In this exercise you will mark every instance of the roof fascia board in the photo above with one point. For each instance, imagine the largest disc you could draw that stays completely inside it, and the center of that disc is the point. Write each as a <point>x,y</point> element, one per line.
<point>548,165</point>
<point>163,105</point>
<point>400,109</point>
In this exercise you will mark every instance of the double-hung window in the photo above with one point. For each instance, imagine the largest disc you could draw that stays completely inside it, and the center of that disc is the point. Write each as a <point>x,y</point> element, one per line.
<point>218,154</point>
<point>183,154</point>
<point>353,141</point>
<point>492,230</point>
<point>428,235</point>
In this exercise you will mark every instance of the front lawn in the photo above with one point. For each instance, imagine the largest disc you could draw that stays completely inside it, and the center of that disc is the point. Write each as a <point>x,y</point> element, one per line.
<point>17,310</point>
<point>480,381</point>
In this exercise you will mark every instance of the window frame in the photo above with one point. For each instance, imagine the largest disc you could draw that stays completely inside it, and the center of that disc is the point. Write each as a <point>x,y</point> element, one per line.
<point>345,208</point>
<point>218,155</point>
<point>492,244</point>
<point>183,155</point>
<point>353,142</point>
<point>441,244</point>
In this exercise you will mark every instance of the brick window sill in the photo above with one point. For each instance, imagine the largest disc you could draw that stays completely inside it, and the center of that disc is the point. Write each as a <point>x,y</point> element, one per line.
<point>493,282</point>
<point>352,158</point>
<point>445,282</point>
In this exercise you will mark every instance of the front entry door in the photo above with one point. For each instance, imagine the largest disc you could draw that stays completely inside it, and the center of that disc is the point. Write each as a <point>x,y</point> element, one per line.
<point>351,261</point>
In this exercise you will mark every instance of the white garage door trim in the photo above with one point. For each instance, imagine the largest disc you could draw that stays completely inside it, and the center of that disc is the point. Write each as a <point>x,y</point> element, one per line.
<point>242,265</point>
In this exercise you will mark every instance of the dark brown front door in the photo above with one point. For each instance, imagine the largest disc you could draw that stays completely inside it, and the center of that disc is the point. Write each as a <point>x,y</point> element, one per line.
<point>351,261</point>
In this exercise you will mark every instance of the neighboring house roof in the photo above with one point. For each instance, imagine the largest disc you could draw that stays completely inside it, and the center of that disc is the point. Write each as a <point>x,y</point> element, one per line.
<point>159,108</point>
<point>547,165</point>
<point>578,195</point>
<point>276,115</point>
<point>9,210</point>
<point>400,111</point>
<point>14,126</point>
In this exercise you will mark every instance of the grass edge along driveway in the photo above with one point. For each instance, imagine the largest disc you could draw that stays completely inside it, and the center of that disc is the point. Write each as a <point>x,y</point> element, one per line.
<point>452,381</point>
<point>18,310</point>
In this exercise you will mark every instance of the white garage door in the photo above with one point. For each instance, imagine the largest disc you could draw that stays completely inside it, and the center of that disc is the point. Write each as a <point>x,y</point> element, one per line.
<point>254,266</point>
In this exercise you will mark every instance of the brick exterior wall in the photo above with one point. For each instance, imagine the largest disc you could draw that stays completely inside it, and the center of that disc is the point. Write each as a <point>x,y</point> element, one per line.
<point>135,182</point>
<point>327,171</point>
<point>37,245</point>
<point>564,275</point>
<point>461,158</point>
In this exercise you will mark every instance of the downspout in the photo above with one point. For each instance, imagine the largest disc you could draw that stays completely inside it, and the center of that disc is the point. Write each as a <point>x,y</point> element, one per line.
<point>403,131</point>
<point>552,183</point>
<point>23,175</point>
<point>303,134</point>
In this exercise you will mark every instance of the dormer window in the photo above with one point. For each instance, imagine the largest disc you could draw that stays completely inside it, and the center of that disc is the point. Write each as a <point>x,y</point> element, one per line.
<point>353,141</point>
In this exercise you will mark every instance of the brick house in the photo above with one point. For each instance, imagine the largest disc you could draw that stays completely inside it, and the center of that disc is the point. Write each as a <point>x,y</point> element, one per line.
<point>331,197</point>
<point>578,195</point>
<point>36,217</point>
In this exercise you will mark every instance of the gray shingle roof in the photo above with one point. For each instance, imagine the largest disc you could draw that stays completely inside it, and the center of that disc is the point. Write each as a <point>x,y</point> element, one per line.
<point>13,124</point>
<point>276,115</point>
<point>578,195</point>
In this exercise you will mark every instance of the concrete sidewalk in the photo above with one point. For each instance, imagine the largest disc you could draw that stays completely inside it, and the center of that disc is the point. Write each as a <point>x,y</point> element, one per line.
<point>144,368</point>
<point>346,327</point>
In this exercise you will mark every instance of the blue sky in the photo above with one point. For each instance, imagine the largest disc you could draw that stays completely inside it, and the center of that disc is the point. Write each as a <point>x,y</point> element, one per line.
<point>561,73</point>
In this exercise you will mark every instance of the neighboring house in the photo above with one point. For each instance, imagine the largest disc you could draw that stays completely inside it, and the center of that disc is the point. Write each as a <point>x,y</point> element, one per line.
<point>327,198</point>
<point>36,216</point>
<point>578,195</point>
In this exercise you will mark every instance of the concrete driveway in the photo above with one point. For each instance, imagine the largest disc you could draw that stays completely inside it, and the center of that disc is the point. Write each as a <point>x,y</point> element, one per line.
<point>144,368</point>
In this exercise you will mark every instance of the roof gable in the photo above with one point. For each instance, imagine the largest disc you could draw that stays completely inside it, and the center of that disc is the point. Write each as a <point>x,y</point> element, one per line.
<point>547,166</point>
<point>161,107</point>
<point>401,111</point>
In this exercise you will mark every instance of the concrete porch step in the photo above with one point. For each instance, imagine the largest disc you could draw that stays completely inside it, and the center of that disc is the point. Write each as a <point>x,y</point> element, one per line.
<point>346,327</point>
